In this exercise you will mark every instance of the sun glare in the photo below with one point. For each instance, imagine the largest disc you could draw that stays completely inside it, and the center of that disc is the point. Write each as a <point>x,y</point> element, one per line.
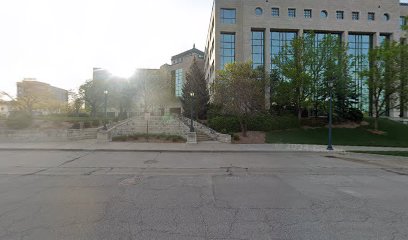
<point>121,71</point>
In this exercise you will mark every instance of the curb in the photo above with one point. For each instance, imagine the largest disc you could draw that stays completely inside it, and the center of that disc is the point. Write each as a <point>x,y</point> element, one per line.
<point>166,150</point>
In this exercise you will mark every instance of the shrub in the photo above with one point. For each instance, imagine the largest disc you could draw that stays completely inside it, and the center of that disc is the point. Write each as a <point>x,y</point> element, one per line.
<point>261,122</point>
<point>314,122</point>
<point>19,120</point>
<point>76,125</point>
<point>79,115</point>
<point>235,137</point>
<point>224,124</point>
<point>87,124</point>
<point>120,139</point>
<point>266,122</point>
<point>95,123</point>
<point>355,115</point>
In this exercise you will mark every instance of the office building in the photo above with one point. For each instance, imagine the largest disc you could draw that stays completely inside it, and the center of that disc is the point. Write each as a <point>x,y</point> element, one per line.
<point>257,30</point>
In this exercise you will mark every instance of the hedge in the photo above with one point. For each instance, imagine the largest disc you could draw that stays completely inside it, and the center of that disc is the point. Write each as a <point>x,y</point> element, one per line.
<point>262,122</point>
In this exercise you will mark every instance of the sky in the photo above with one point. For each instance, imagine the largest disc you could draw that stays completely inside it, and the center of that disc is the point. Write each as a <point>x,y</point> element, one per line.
<point>60,41</point>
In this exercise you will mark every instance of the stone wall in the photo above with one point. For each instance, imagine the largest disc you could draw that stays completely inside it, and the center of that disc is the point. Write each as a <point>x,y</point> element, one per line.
<point>48,135</point>
<point>216,136</point>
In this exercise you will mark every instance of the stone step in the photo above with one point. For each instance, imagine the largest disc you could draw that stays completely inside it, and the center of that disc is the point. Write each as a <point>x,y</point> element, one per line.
<point>201,137</point>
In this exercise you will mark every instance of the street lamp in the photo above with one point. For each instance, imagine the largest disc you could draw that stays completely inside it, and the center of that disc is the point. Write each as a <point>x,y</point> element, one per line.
<point>192,94</point>
<point>106,113</point>
<point>331,83</point>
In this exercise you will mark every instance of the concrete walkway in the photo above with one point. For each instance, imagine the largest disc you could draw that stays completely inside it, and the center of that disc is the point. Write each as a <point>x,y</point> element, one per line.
<point>92,145</point>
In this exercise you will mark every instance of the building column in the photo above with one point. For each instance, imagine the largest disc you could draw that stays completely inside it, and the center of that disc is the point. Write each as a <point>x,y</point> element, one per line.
<point>267,64</point>
<point>376,39</point>
<point>344,37</point>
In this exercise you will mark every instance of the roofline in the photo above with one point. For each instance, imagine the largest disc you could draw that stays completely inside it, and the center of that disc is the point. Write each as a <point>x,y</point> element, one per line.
<point>186,52</point>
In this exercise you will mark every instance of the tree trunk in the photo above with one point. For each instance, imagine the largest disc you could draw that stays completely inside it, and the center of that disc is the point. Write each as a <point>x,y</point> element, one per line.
<point>243,128</point>
<point>300,113</point>
<point>376,122</point>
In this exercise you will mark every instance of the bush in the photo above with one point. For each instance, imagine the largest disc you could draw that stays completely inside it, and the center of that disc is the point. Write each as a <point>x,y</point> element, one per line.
<point>83,115</point>
<point>224,124</point>
<point>120,139</point>
<point>261,122</point>
<point>19,120</point>
<point>87,124</point>
<point>355,115</point>
<point>314,122</point>
<point>76,125</point>
<point>235,137</point>
<point>95,123</point>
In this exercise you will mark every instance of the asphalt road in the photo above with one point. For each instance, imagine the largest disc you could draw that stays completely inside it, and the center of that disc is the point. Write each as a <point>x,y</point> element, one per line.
<point>134,195</point>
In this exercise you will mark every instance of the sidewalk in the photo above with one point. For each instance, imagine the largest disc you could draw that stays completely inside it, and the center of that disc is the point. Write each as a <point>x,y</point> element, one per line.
<point>92,145</point>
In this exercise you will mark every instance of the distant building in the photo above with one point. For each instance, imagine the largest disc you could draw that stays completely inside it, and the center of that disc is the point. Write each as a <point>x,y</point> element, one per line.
<point>181,65</point>
<point>159,90</point>
<point>44,92</point>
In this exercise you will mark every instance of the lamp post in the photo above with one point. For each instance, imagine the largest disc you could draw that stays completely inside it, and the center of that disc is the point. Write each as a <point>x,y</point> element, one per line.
<point>192,94</point>
<point>106,113</point>
<point>331,83</point>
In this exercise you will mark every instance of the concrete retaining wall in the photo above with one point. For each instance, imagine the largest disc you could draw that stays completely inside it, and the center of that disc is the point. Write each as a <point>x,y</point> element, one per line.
<point>47,135</point>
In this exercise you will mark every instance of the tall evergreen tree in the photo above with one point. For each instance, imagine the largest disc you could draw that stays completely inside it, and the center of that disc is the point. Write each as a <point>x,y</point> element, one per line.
<point>195,83</point>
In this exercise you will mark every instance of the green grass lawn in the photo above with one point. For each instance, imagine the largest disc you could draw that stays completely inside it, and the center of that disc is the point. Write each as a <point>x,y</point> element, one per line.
<point>399,154</point>
<point>396,135</point>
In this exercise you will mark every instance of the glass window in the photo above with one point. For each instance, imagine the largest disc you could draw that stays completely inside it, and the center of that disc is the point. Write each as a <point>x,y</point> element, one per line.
<point>280,41</point>
<point>292,12</point>
<point>179,82</point>
<point>308,13</point>
<point>386,17</point>
<point>340,14</point>
<point>384,38</point>
<point>228,16</point>
<point>258,11</point>
<point>227,49</point>
<point>359,47</point>
<point>275,12</point>
<point>324,14</point>
<point>371,16</point>
<point>355,15</point>
<point>403,21</point>
<point>258,48</point>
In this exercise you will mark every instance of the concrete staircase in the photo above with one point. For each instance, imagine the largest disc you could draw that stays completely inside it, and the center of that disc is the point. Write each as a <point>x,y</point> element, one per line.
<point>202,137</point>
<point>170,125</point>
<point>156,125</point>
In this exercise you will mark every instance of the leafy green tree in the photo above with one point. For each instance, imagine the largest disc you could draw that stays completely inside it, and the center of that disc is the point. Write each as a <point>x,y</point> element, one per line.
<point>384,78</point>
<point>195,83</point>
<point>404,79</point>
<point>292,64</point>
<point>303,71</point>
<point>240,91</point>
<point>92,93</point>
<point>75,102</point>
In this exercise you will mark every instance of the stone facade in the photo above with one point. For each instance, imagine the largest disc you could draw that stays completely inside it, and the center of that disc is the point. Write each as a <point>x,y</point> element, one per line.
<point>257,15</point>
